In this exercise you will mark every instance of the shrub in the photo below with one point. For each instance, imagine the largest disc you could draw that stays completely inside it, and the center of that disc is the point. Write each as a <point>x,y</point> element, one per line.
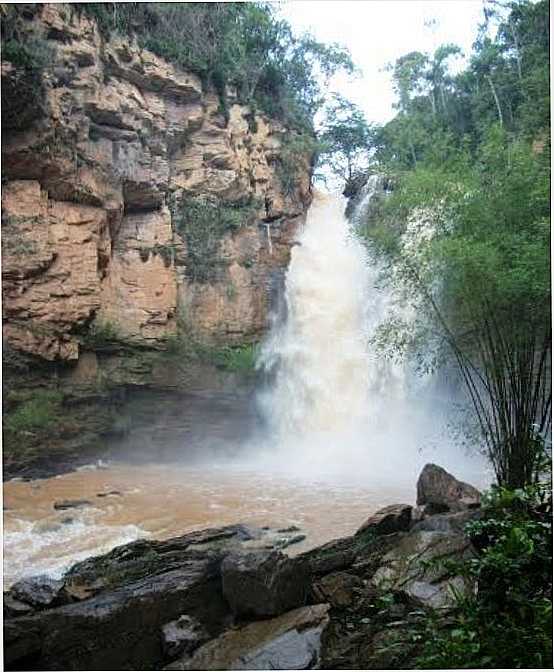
<point>101,334</point>
<point>507,622</point>
<point>295,151</point>
<point>238,359</point>
<point>203,223</point>
<point>38,412</point>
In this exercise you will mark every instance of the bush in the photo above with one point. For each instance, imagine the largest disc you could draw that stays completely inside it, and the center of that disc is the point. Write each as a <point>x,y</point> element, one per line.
<point>101,334</point>
<point>203,223</point>
<point>238,359</point>
<point>187,348</point>
<point>507,623</point>
<point>290,164</point>
<point>38,412</point>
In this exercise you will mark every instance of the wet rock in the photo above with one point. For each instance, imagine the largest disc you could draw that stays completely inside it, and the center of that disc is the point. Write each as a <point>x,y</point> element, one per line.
<point>415,566</point>
<point>122,600</point>
<point>182,636</point>
<point>63,504</point>
<point>436,596</point>
<point>271,539</point>
<point>390,519</point>
<point>39,591</point>
<point>290,642</point>
<point>439,491</point>
<point>339,589</point>
<point>13,607</point>
<point>141,558</point>
<point>331,557</point>
<point>264,583</point>
<point>450,522</point>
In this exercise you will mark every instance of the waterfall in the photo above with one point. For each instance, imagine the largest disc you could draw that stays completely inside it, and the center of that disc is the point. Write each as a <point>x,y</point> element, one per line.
<point>332,401</point>
<point>319,351</point>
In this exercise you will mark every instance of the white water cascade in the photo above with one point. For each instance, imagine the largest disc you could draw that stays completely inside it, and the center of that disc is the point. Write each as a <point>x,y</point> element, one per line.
<point>334,406</point>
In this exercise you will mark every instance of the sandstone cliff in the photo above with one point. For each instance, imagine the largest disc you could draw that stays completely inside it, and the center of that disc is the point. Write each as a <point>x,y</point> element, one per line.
<point>131,200</point>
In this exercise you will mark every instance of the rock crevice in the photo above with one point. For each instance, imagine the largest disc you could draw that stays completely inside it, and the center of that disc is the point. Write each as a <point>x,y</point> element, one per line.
<point>90,187</point>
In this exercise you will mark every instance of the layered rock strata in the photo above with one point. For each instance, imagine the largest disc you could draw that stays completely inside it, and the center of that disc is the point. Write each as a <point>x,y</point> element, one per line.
<point>96,227</point>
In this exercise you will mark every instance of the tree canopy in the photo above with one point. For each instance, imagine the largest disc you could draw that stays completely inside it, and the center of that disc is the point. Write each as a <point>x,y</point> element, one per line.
<point>467,229</point>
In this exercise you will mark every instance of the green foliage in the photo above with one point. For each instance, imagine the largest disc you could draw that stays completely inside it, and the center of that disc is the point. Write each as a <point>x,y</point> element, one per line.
<point>37,412</point>
<point>237,359</point>
<point>296,149</point>
<point>101,334</point>
<point>203,223</point>
<point>467,229</point>
<point>187,348</point>
<point>507,622</point>
<point>480,224</point>
<point>345,138</point>
<point>22,87</point>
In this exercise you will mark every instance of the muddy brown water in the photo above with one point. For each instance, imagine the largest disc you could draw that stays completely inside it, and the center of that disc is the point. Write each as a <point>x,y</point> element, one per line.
<point>161,501</point>
<point>184,464</point>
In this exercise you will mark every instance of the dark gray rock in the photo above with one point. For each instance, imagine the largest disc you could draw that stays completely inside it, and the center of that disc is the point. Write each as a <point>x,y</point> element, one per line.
<point>39,592</point>
<point>13,607</point>
<point>415,567</point>
<point>264,583</point>
<point>339,589</point>
<point>390,519</point>
<point>122,600</point>
<point>64,504</point>
<point>449,522</point>
<point>289,642</point>
<point>183,636</point>
<point>439,491</point>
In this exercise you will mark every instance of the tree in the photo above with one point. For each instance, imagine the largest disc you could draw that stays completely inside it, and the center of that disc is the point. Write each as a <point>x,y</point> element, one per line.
<point>345,138</point>
<point>474,248</point>
<point>467,228</point>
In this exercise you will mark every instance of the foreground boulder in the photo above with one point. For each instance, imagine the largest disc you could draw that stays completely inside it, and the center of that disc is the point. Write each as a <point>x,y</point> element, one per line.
<point>264,584</point>
<point>439,492</point>
<point>390,519</point>
<point>121,601</point>
<point>289,642</point>
<point>416,567</point>
<point>39,592</point>
<point>183,636</point>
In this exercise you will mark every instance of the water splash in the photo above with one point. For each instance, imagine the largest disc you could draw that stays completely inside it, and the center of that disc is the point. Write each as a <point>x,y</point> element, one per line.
<point>334,404</point>
<point>321,347</point>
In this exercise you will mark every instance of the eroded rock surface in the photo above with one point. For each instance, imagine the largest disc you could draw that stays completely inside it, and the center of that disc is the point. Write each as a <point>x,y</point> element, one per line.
<point>394,518</point>
<point>264,583</point>
<point>289,642</point>
<point>95,182</point>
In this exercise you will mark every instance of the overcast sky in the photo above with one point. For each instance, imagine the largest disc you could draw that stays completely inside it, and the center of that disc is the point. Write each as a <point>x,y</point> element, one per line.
<point>379,31</point>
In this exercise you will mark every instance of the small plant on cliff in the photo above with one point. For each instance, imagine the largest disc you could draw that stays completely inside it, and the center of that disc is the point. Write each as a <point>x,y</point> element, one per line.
<point>296,149</point>
<point>101,334</point>
<point>39,411</point>
<point>203,223</point>
<point>22,86</point>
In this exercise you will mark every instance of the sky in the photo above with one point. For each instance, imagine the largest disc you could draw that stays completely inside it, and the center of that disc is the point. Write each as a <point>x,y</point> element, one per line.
<point>377,32</point>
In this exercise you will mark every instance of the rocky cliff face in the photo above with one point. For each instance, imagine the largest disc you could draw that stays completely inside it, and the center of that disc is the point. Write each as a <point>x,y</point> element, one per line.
<point>130,200</point>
